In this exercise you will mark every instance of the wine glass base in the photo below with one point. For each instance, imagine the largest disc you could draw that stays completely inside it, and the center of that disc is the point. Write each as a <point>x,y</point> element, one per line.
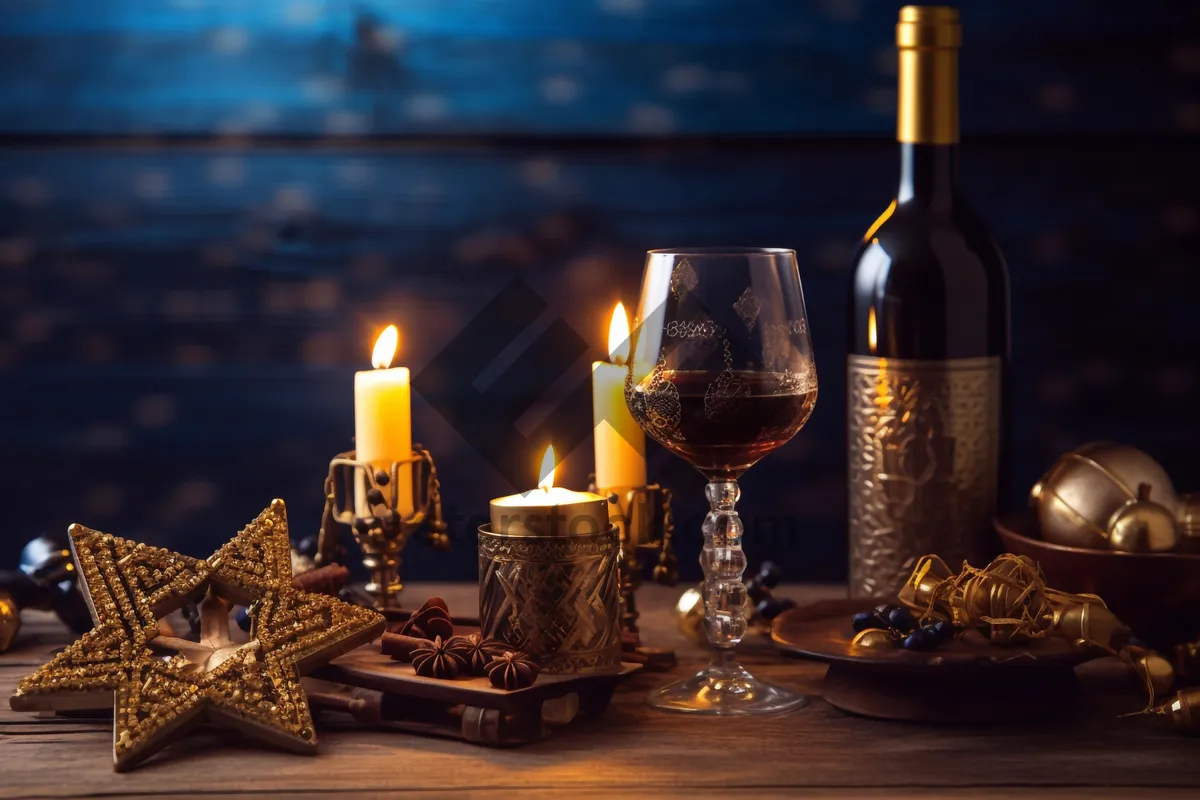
<point>725,690</point>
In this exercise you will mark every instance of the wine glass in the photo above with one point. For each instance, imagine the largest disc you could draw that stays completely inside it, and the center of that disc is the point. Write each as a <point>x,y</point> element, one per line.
<point>722,374</point>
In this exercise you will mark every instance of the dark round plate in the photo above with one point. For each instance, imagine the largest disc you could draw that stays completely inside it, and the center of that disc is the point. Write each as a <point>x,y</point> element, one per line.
<point>822,632</point>
<point>967,680</point>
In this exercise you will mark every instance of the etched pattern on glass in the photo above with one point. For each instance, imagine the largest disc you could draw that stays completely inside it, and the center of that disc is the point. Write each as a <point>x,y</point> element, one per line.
<point>747,308</point>
<point>655,404</point>
<point>683,279</point>
<point>720,395</point>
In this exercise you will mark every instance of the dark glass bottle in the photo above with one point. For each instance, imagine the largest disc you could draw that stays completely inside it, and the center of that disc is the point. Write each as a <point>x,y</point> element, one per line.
<point>928,339</point>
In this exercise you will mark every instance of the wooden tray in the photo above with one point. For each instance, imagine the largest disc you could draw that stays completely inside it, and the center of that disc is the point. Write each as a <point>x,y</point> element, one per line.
<point>380,691</point>
<point>967,680</point>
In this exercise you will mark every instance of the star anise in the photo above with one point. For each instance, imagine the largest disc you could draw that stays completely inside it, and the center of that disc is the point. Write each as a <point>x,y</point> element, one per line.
<point>476,650</point>
<point>512,671</point>
<point>429,621</point>
<point>436,660</point>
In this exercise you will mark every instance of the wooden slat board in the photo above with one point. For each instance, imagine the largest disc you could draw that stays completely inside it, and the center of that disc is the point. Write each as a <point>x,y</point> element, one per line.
<point>633,751</point>
<point>181,324</point>
<point>607,67</point>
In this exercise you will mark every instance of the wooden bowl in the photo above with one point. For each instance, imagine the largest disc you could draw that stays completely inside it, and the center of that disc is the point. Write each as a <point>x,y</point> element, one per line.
<point>1156,594</point>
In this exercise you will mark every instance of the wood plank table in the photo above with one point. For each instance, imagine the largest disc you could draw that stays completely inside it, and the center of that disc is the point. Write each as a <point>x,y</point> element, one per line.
<point>632,751</point>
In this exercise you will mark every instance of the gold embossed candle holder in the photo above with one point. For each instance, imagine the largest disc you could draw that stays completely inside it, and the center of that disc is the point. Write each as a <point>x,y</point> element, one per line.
<point>554,598</point>
<point>367,501</point>
<point>643,516</point>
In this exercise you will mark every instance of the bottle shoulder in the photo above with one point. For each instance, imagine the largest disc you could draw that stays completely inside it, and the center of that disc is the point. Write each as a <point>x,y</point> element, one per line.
<point>915,239</point>
<point>928,284</point>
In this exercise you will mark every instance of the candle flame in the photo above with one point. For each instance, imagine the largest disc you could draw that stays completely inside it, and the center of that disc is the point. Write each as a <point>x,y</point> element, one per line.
<point>385,348</point>
<point>872,334</point>
<point>547,469</point>
<point>618,335</point>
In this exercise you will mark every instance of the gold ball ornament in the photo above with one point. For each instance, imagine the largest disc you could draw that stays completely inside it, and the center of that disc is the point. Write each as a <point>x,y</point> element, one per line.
<point>689,615</point>
<point>874,639</point>
<point>1077,498</point>
<point>1143,526</point>
<point>10,621</point>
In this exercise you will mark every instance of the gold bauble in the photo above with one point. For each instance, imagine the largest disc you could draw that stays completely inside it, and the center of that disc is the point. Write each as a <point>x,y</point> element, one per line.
<point>10,621</point>
<point>689,615</point>
<point>1142,526</point>
<point>873,639</point>
<point>1075,500</point>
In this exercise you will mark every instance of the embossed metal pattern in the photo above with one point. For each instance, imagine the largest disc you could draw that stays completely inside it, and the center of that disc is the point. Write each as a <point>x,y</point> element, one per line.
<point>924,452</point>
<point>554,598</point>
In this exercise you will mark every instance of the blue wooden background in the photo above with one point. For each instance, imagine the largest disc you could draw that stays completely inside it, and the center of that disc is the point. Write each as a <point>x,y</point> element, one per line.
<point>207,207</point>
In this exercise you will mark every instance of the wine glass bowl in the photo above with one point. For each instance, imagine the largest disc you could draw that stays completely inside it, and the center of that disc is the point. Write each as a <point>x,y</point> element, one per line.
<point>721,374</point>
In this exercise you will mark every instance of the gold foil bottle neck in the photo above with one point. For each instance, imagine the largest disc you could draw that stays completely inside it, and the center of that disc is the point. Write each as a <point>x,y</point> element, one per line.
<point>927,39</point>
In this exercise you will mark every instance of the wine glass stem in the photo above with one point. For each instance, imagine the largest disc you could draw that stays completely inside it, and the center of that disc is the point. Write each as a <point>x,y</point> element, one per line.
<point>723,563</point>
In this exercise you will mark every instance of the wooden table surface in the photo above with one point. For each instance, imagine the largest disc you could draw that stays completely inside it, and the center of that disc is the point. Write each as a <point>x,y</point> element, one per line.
<point>631,750</point>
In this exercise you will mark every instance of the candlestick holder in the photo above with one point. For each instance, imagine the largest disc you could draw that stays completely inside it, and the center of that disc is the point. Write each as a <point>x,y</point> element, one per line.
<point>379,528</point>
<point>643,516</point>
<point>553,597</point>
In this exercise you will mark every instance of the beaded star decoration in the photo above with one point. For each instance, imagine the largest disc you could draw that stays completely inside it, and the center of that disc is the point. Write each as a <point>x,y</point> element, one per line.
<point>160,685</point>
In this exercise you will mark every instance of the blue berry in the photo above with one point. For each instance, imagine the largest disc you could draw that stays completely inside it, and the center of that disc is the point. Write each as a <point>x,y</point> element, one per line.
<point>864,620</point>
<point>243,619</point>
<point>901,620</point>
<point>943,630</point>
<point>918,640</point>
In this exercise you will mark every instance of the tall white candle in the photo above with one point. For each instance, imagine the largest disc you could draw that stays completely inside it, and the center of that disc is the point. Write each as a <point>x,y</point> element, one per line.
<point>619,442</point>
<point>549,510</point>
<point>383,422</point>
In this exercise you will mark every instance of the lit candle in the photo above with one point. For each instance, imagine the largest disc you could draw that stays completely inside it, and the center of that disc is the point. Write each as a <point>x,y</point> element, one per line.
<point>383,422</point>
<point>619,441</point>
<point>549,510</point>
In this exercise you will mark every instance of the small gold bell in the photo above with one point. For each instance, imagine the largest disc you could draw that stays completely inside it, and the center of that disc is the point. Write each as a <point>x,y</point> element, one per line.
<point>1185,709</point>
<point>928,574</point>
<point>1092,624</point>
<point>1157,671</point>
<point>1142,525</point>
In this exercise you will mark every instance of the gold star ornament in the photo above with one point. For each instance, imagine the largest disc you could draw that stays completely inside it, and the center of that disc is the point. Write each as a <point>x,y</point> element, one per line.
<point>161,685</point>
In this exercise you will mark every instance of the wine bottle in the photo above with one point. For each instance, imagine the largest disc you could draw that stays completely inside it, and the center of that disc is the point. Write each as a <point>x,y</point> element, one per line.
<point>928,340</point>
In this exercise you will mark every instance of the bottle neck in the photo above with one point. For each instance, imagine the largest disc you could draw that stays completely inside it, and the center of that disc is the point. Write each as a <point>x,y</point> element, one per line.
<point>928,174</point>
<point>927,118</point>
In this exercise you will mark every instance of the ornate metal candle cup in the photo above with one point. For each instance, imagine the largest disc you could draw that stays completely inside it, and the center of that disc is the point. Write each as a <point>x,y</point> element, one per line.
<point>554,598</point>
<point>378,527</point>
<point>643,516</point>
